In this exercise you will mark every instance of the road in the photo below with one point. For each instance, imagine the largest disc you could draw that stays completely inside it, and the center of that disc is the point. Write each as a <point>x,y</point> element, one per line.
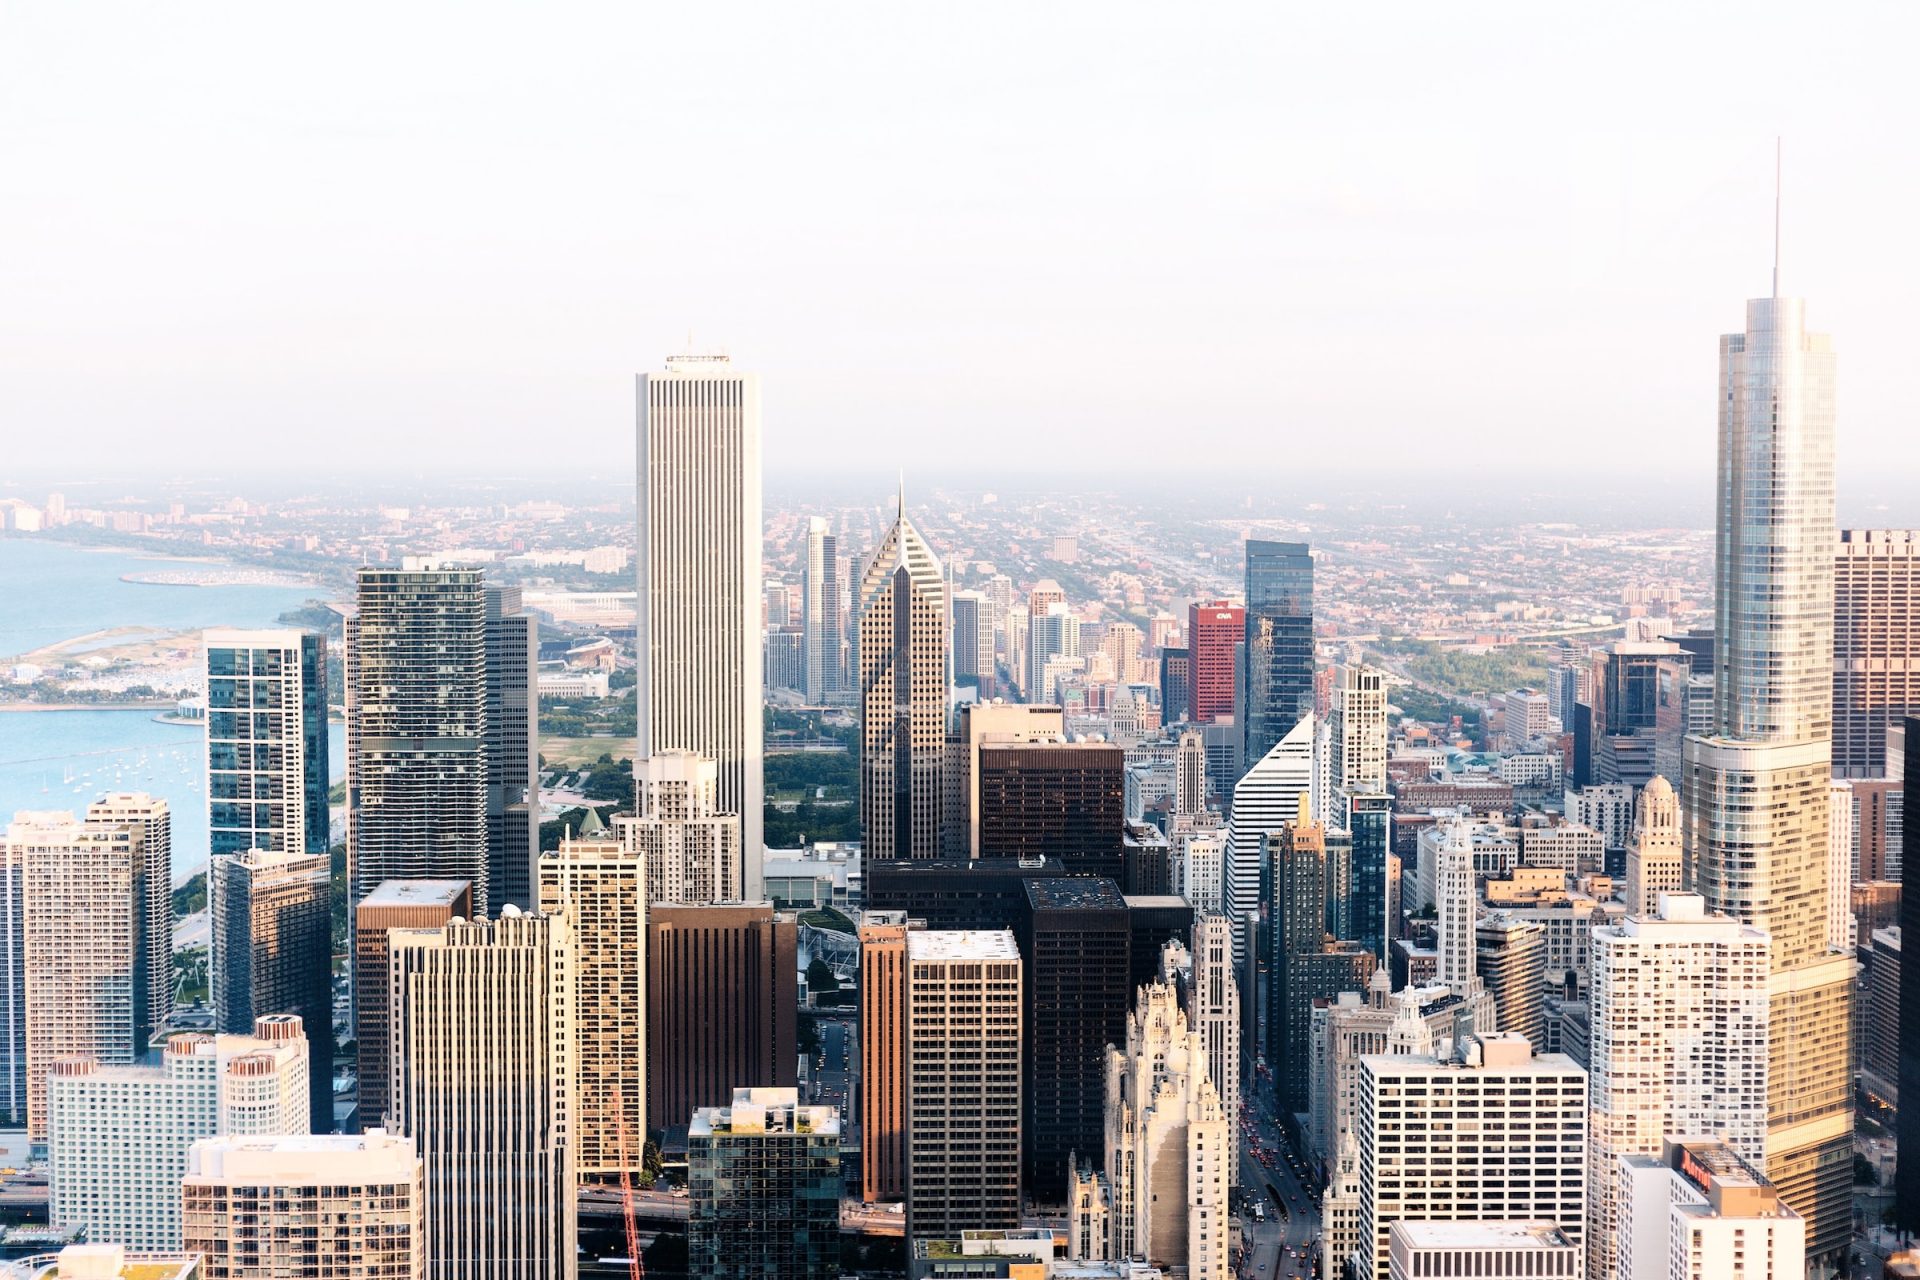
<point>1284,1247</point>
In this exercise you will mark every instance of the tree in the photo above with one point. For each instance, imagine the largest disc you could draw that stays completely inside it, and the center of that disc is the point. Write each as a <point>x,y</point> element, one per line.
<point>820,979</point>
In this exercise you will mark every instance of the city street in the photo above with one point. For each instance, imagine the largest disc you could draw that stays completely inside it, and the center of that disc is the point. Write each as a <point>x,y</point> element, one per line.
<point>1285,1245</point>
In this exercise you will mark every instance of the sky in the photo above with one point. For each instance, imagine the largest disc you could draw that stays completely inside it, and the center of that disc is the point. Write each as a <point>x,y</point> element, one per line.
<point>1478,244</point>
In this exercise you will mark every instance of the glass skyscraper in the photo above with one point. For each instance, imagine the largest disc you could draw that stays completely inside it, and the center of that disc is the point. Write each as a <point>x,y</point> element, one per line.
<point>1279,639</point>
<point>266,741</point>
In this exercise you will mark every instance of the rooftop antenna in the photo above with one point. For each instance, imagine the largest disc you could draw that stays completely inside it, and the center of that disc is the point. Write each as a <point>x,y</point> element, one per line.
<point>903,492</point>
<point>1776,215</point>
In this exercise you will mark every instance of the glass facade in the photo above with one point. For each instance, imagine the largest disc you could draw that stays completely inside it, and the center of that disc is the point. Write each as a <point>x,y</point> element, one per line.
<point>266,741</point>
<point>1279,641</point>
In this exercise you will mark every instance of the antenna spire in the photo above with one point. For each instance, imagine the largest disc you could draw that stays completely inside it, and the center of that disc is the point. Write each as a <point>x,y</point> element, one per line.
<point>1776,215</point>
<point>903,493</point>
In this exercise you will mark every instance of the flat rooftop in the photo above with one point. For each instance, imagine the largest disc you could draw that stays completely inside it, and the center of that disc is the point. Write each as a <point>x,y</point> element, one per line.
<point>414,893</point>
<point>1079,892</point>
<point>1482,1235</point>
<point>962,944</point>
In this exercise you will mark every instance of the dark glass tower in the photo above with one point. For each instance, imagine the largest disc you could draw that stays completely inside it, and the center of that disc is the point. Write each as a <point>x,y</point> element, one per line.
<point>1279,652</point>
<point>1370,821</point>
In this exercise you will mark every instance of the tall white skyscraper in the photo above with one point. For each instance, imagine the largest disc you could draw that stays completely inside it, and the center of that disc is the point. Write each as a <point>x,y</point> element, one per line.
<point>1210,997</point>
<point>1678,1045</point>
<point>1456,902</point>
<point>481,1017</point>
<point>1359,752</point>
<point>690,850</point>
<point>903,695</point>
<point>266,741</point>
<point>697,625</point>
<point>1755,839</point>
<point>1264,800</point>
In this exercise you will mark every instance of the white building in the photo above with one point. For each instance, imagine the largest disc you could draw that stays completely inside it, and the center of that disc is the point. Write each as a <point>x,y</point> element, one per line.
<point>1607,807</point>
<point>1210,997</point>
<point>1413,1020</point>
<point>1167,1145</point>
<point>118,1136</point>
<point>1359,733</point>
<point>1200,868</point>
<point>271,1206</point>
<point>482,1080</point>
<point>1488,1133</point>
<point>964,1041</point>
<point>1654,858</point>
<point>1495,849</point>
<point>1697,1211</point>
<point>697,625</point>
<point>1572,847</point>
<point>691,849</point>
<point>573,684</point>
<point>1432,1250</point>
<point>1679,1044</point>
<point>1529,717</point>
<point>1267,798</point>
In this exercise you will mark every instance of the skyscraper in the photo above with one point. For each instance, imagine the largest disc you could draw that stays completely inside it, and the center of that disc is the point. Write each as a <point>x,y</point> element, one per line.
<point>973,641</point>
<point>602,884</point>
<point>982,724</point>
<point>1269,796</point>
<point>1176,685</point>
<point>964,1040</point>
<point>1359,733</point>
<point>266,741</point>
<point>1654,857</point>
<point>1303,964</point>
<point>271,920</point>
<point>482,1081</point>
<point>1210,997</point>
<point>1510,957</point>
<point>513,749</point>
<point>13,983</point>
<point>697,626</point>
<point>903,695</point>
<point>883,1055</point>
<point>1370,888</point>
<point>821,621</point>
<point>722,988</point>
<point>691,851</point>
<point>89,931</point>
<point>394,904</point>
<point>763,1179</point>
<point>1189,775</point>
<point>1755,839</point>
<point>1214,637</point>
<point>1876,645</point>
<point>1907,1189</point>
<point>1679,1045</point>
<point>1696,1210</point>
<point>417,771</point>
<point>270,1206</point>
<point>1042,637</point>
<point>117,1136</point>
<point>1279,640</point>
<point>1063,800</point>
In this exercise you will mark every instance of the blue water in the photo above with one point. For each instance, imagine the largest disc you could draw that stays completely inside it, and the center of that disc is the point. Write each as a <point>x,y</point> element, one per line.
<point>52,591</point>
<point>64,759</point>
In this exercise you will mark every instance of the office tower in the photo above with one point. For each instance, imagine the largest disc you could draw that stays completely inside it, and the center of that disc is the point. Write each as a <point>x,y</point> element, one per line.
<point>1296,929</point>
<point>1679,1045</point>
<point>1019,635</point>
<point>690,850</point>
<point>1226,759</point>
<point>271,920</point>
<point>1876,645</point>
<point>1000,596</point>
<point>1153,921</point>
<point>981,724</point>
<point>117,1136</point>
<point>1527,717</point>
<point>1199,869</point>
<point>343,1208</point>
<point>482,1081</point>
<point>973,640</point>
<point>1841,844</point>
<point>903,695</point>
<point>883,1061</point>
<point>1654,858</point>
<point>1455,902</point>
<point>1501,1135</point>
<point>1511,959</point>
<point>1053,635</point>
<point>1352,1026</point>
<point>697,628</point>
<point>821,621</point>
<point>1370,828</point>
<point>946,893</point>
<point>763,1180</point>
<point>1064,800</point>
<point>1696,1210</point>
<point>1214,635</point>
<point>1879,816</point>
<point>1074,943</point>
<point>513,749</point>
<point>266,741</point>
<point>13,982</point>
<point>1420,1249</point>
<point>417,729</point>
<point>1755,830</point>
<point>1167,1145</point>
<point>91,932</point>
<point>1907,1188</point>
<point>964,1041</point>
<point>1359,737</point>
<point>1880,1017</point>
<point>722,987</point>
<point>1271,794</point>
<point>1210,997</point>
<point>785,655</point>
<point>1278,623</point>
<point>601,884</point>
<point>1176,685</point>
<point>1190,775</point>
<point>393,904</point>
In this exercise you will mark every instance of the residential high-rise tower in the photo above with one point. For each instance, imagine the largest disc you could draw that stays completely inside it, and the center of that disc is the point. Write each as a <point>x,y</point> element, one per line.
<point>266,741</point>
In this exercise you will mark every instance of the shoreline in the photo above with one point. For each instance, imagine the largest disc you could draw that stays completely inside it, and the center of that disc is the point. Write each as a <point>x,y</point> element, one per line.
<point>18,707</point>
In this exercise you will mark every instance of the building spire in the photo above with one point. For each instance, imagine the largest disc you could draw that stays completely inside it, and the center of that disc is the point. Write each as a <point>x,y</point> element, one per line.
<point>903,493</point>
<point>1776,215</point>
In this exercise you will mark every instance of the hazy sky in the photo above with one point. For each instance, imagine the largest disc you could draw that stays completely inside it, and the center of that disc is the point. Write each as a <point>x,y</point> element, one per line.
<point>1045,238</point>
